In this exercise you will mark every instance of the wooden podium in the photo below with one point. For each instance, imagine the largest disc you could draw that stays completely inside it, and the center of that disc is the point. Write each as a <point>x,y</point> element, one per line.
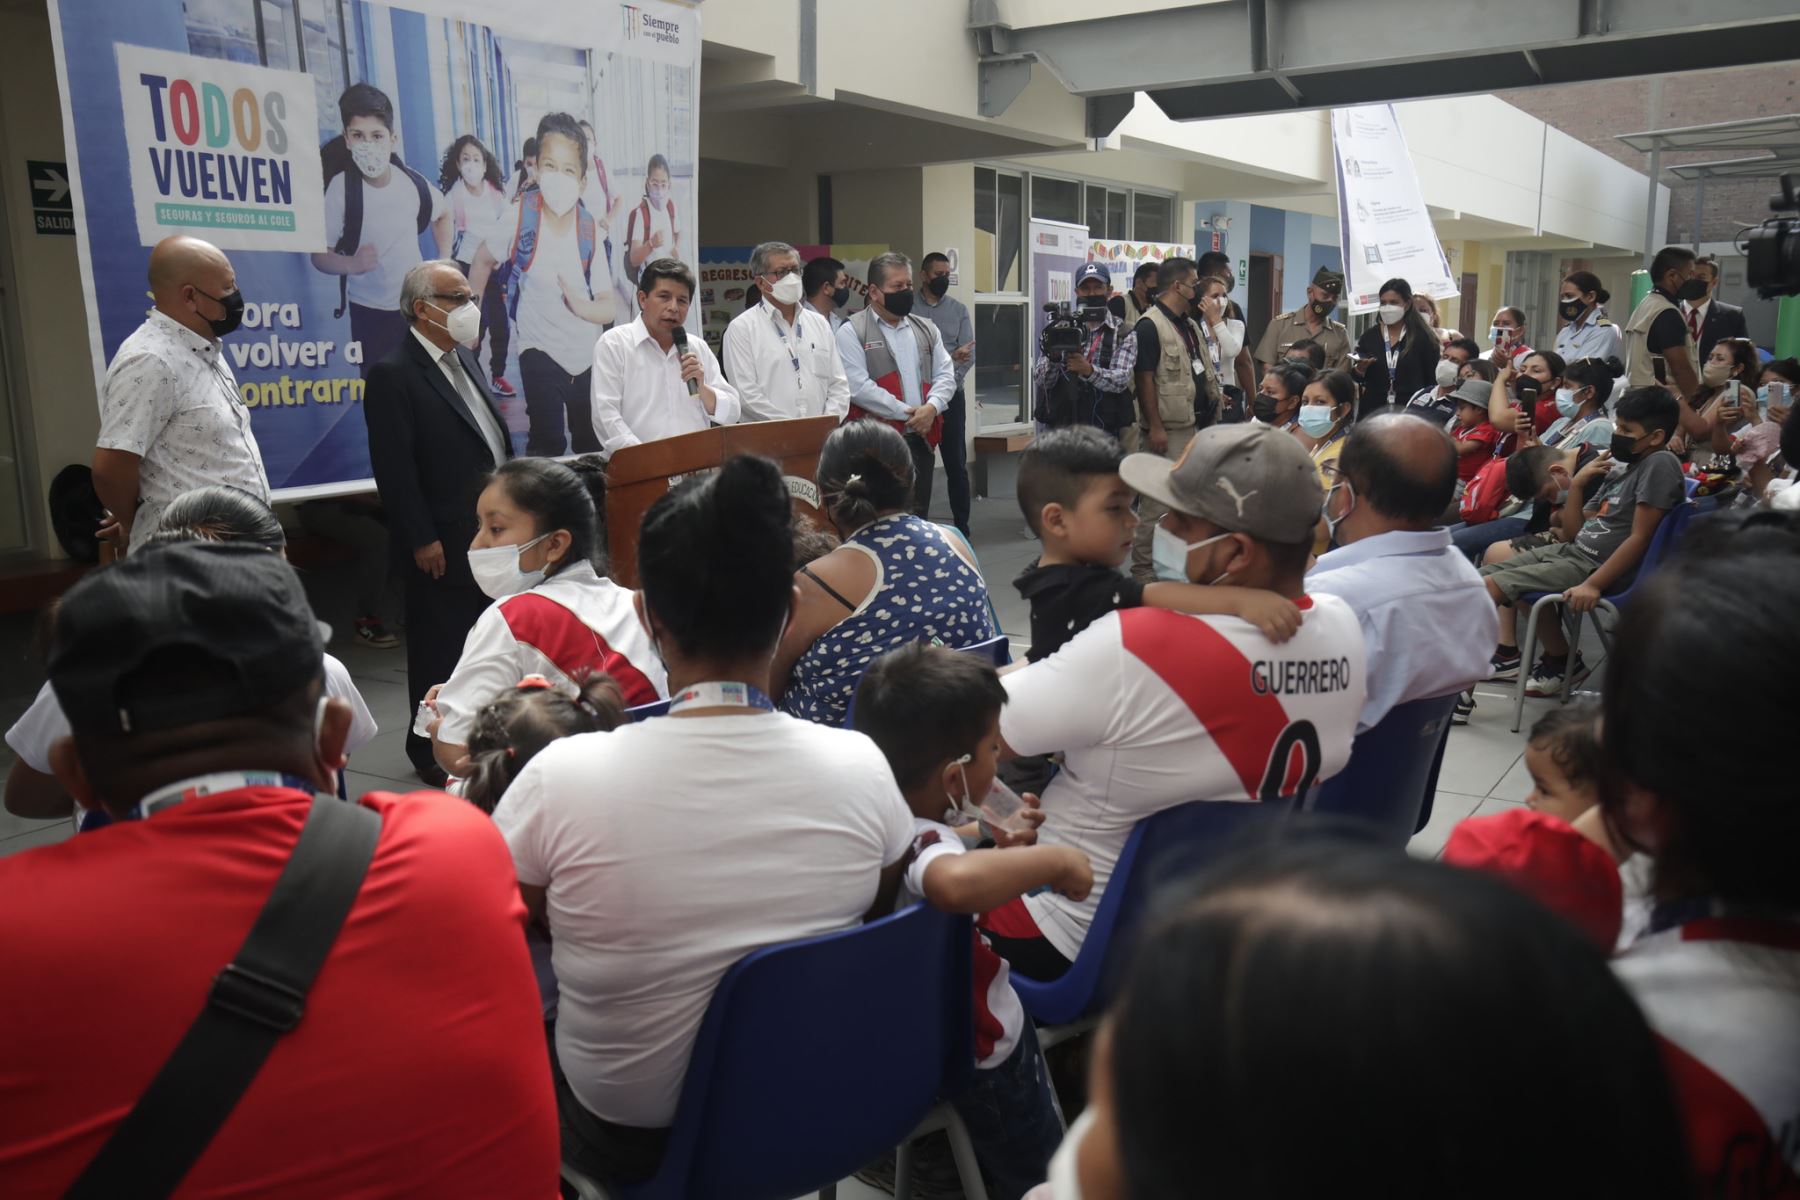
<point>637,475</point>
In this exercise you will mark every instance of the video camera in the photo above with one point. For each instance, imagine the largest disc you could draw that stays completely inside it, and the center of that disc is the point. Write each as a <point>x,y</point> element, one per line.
<point>1772,249</point>
<point>1063,332</point>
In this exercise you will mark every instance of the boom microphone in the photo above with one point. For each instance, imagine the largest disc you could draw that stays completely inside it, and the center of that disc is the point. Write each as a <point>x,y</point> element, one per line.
<point>681,352</point>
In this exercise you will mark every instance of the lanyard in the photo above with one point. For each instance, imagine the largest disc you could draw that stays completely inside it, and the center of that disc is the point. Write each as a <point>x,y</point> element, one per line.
<point>794,358</point>
<point>220,781</point>
<point>730,694</point>
<point>1392,350</point>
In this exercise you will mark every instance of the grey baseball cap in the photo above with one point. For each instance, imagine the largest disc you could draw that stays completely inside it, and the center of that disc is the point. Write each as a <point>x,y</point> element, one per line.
<point>1252,479</point>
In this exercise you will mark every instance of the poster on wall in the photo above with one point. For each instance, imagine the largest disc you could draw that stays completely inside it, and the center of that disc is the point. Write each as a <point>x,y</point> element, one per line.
<point>1122,259</point>
<point>1384,229</point>
<point>726,284</point>
<point>1057,251</point>
<point>329,147</point>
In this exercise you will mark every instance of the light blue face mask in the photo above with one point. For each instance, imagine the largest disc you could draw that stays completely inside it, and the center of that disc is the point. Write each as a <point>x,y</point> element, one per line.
<point>1316,420</point>
<point>1565,402</point>
<point>1169,554</point>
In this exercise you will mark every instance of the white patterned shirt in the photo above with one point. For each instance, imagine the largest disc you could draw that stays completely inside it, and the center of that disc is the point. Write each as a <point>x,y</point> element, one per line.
<point>170,398</point>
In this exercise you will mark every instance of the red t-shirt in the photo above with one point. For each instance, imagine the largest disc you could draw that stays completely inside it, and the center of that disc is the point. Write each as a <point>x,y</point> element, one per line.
<point>419,1067</point>
<point>1468,464</point>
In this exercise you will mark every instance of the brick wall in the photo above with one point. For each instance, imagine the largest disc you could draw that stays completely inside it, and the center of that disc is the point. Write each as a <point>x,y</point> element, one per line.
<point>1596,112</point>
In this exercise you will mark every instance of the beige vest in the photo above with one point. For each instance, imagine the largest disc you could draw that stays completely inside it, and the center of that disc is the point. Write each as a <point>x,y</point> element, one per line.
<point>1176,384</point>
<point>1640,364</point>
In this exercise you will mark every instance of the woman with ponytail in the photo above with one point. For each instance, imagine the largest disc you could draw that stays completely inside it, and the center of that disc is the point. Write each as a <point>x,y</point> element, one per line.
<point>896,579</point>
<point>662,853</point>
<point>540,553</point>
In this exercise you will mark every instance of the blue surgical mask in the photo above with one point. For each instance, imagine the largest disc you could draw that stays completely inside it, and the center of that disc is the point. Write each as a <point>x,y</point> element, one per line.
<point>1316,420</point>
<point>1169,554</point>
<point>1565,402</point>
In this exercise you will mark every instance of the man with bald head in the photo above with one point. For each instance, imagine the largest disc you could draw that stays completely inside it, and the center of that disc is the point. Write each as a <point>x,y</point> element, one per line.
<point>434,434</point>
<point>171,418</point>
<point>1426,619</point>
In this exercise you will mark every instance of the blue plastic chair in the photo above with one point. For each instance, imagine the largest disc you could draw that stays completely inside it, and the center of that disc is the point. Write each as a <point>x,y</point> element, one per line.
<point>1392,771</point>
<point>1669,532</point>
<point>643,712</point>
<point>793,1084</point>
<point>1163,848</point>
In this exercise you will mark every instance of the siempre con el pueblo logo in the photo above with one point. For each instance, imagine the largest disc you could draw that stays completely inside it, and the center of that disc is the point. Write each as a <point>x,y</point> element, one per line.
<point>646,26</point>
<point>226,151</point>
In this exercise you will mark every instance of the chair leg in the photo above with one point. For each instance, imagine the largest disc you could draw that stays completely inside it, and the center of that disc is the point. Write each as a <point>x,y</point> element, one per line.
<point>828,1192</point>
<point>903,1170</point>
<point>1527,654</point>
<point>968,1171</point>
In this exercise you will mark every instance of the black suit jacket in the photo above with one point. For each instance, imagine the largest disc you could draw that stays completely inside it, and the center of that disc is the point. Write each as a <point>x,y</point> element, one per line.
<point>1417,368</point>
<point>1722,321</point>
<point>428,453</point>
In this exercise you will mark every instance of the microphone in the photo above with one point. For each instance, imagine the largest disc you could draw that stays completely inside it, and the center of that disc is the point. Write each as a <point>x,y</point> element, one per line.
<point>681,351</point>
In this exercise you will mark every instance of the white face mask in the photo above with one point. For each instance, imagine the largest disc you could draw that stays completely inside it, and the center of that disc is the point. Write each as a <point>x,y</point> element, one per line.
<point>1715,373</point>
<point>472,173</point>
<point>462,323</point>
<point>787,290</point>
<point>1447,373</point>
<point>1169,554</point>
<point>496,569</point>
<point>560,191</point>
<point>371,158</point>
<point>1331,522</point>
<point>1392,313</point>
<point>1065,1173</point>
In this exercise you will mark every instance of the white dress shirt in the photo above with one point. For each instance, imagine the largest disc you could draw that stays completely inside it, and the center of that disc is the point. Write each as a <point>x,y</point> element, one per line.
<point>1427,622</point>
<point>785,370</point>
<point>170,398</point>
<point>903,344</point>
<point>639,395</point>
<point>470,391</point>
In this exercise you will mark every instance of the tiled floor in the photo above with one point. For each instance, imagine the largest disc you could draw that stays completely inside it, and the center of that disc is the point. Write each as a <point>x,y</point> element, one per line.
<point>1483,768</point>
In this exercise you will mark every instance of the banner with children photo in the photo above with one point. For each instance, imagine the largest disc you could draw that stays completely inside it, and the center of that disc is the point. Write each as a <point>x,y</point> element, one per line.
<point>328,146</point>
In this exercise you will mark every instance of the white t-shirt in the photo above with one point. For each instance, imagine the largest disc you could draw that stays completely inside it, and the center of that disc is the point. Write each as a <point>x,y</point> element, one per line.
<point>390,223</point>
<point>999,1017</point>
<point>671,849</point>
<point>572,622</point>
<point>545,321</point>
<point>1155,708</point>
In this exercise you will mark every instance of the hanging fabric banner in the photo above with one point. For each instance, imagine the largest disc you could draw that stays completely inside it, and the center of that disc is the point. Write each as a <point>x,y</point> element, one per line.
<point>1384,228</point>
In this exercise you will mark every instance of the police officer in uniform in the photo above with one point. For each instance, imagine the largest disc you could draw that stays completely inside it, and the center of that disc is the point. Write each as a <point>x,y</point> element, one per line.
<point>1312,320</point>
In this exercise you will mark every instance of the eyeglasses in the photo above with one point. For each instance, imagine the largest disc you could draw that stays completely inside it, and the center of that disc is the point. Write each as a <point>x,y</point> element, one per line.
<point>460,298</point>
<point>782,274</point>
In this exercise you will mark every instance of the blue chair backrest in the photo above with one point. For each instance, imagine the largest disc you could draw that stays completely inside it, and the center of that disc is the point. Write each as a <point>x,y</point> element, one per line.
<point>1391,766</point>
<point>643,712</point>
<point>1163,849</point>
<point>817,1056</point>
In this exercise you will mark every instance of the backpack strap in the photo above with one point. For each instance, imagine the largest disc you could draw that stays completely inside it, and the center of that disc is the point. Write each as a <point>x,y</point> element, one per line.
<point>1106,347</point>
<point>259,996</point>
<point>424,190</point>
<point>525,239</point>
<point>351,239</point>
<point>587,238</point>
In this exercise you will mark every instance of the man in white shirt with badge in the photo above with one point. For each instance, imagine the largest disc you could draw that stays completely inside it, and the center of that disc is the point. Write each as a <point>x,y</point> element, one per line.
<point>898,368</point>
<point>642,371</point>
<point>1154,708</point>
<point>171,418</point>
<point>1417,596</point>
<point>780,354</point>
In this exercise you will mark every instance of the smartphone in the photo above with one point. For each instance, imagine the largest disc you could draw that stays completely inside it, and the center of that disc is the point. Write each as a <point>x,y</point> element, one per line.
<point>1661,370</point>
<point>1002,807</point>
<point>1528,394</point>
<point>1778,394</point>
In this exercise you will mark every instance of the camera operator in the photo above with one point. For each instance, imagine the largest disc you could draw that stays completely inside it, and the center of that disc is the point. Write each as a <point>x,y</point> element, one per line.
<point>1089,383</point>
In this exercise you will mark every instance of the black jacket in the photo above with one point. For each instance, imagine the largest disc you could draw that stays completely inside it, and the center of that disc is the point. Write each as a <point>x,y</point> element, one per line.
<point>1417,369</point>
<point>428,453</point>
<point>1722,321</point>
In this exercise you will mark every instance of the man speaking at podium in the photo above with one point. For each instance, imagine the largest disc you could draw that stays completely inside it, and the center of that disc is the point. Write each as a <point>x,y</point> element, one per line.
<point>650,381</point>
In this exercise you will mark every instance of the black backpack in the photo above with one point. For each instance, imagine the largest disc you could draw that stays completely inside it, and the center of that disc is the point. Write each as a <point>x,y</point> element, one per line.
<point>334,159</point>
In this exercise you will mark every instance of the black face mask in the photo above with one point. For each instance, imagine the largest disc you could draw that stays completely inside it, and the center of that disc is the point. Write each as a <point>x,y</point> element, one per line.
<point>898,303</point>
<point>1624,448</point>
<point>233,304</point>
<point>1571,310</point>
<point>1692,290</point>
<point>938,286</point>
<point>840,297</point>
<point>1263,406</point>
<point>1323,308</point>
<point>1093,308</point>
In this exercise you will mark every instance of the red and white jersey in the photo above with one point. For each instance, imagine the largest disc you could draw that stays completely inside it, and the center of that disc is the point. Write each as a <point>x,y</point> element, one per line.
<point>1723,995</point>
<point>566,627</point>
<point>1154,708</point>
<point>999,1017</point>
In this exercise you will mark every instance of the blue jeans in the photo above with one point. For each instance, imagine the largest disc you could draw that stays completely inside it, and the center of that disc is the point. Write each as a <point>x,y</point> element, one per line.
<point>1473,540</point>
<point>1012,1120</point>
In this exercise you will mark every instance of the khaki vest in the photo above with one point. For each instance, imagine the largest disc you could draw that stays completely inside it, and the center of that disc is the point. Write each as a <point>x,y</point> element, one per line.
<point>1176,384</point>
<point>1640,364</point>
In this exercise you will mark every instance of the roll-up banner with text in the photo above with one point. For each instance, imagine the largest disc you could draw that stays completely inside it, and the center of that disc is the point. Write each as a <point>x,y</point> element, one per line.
<point>328,147</point>
<point>1057,251</point>
<point>1384,228</point>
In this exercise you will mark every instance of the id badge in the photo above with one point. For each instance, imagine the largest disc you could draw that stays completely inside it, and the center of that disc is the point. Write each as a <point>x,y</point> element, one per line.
<point>1198,369</point>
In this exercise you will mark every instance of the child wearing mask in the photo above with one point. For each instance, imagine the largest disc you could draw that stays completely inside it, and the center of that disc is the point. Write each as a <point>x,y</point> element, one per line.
<point>652,231</point>
<point>935,713</point>
<point>557,290</point>
<point>1076,503</point>
<point>471,182</point>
